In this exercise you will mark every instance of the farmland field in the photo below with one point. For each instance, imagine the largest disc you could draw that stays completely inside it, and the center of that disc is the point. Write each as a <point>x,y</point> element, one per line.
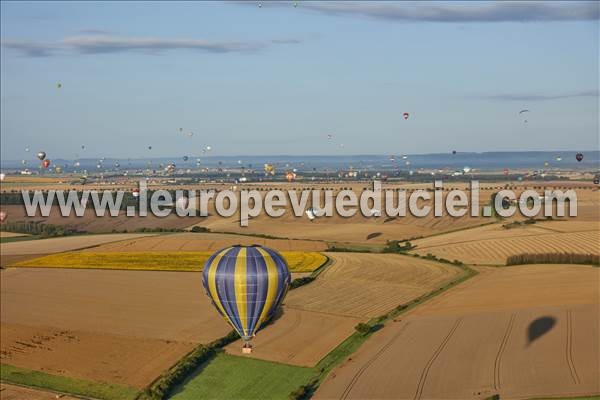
<point>56,245</point>
<point>299,337</point>
<point>368,285</point>
<point>478,324</point>
<point>491,245</point>
<point>122,327</point>
<point>156,261</point>
<point>206,242</point>
<point>12,392</point>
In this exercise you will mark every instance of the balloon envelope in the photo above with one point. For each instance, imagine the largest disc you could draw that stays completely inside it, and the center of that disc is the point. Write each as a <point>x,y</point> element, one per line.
<point>246,284</point>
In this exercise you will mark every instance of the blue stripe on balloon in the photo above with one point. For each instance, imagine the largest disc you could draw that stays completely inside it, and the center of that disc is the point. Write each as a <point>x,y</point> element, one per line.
<point>226,288</point>
<point>283,280</point>
<point>253,308</point>
<point>262,283</point>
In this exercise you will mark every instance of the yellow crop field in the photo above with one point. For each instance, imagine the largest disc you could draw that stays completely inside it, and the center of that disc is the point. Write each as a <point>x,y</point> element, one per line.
<point>157,261</point>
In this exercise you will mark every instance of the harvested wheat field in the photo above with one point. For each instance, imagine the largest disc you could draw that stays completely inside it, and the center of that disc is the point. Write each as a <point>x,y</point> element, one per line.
<point>57,245</point>
<point>299,337</point>
<point>493,244</point>
<point>123,327</point>
<point>205,242</point>
<point>369,285</point>
<point>485,337</point>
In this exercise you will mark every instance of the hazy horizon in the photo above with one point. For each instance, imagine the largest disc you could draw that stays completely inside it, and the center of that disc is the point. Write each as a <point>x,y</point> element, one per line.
<point>278,79</point>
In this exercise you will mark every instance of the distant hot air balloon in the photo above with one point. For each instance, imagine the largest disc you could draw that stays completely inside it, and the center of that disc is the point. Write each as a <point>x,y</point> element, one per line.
<point>505,171</point>
<point>3,216</point>
<point>329,137</point>
<point>46,163</point>
<point>185,158</point>
<point>558,158</point>
<point>290,176</point>
<point>453,151</point>
<point>59,85</point>
<point>149,147</point>
<point>27,149</point>
<point>246,285</point>
<point>41,155</point>
<point>406,115</point>
<point>2,176</point>
<point>58,169</point>
<point>579,157</point>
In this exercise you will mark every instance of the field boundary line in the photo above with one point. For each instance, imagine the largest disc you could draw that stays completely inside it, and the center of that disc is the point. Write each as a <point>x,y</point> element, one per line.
<point>369,362</point>
<point>498,360</point>
<point>436,353</point>
<point>43,389</point>
<point>569,348</point>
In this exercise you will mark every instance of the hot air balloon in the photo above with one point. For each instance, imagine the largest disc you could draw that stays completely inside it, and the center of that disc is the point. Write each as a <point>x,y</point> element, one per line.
<point>2,176</point>
<point>290,176</point>
<point>453,151</point>
<point>58,85</point>
<point>406,115</point>
<point>505,171</point>
<point>135,193</point>
<point>329,137</point>
<point>185,158</point>
<point>190,134</point>
<point>558,158</point>
<point>41,155</point>
<point>46,163</point>
<point>579,157</point>
<point>246,285</point>
<point>117,165</point>
<point>149,147</point>
<point>27,149</point>
<point>2,215</point>
<point>208,148</point>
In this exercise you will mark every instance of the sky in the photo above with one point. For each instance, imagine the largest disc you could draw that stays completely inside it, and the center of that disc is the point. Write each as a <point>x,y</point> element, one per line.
<point>259,78</point>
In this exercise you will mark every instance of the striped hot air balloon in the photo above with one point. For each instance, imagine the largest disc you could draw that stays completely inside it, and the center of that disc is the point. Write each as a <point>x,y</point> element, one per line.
<point>246,284</point>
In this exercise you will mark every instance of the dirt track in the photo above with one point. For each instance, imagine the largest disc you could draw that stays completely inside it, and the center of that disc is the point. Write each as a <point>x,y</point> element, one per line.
<point>117,326</point>
<point>368,285</point>
<point>472,341</point>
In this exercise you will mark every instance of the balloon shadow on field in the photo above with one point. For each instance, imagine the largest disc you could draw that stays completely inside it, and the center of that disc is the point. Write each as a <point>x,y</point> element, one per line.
<point>539,327</point>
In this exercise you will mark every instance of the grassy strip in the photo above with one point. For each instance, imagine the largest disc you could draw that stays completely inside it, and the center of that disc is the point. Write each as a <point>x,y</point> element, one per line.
<point>19,238</point>
<point>42,380</point>
<point>233,377</point>
<point>298,261</point>
<point>176,375</point>
<point>553,258</point>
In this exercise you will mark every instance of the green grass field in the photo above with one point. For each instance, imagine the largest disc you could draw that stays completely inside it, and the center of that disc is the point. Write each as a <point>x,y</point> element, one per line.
<point>233,377</point>
<point>98,390</point>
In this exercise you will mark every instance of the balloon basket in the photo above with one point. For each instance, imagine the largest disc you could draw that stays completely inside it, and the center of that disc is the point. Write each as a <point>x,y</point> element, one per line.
<point>247,348</point>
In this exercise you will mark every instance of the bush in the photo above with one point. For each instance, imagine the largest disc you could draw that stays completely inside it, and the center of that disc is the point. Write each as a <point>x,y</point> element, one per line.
<point>553,258</point>
<point>296,283</point>
<point>304,391</point>
<point>393,246</point>
<point>363,328</point>
<point>199,229</point>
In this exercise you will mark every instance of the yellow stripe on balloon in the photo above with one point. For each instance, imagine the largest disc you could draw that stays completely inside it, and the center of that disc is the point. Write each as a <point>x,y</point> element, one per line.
<point>212,283</point>
<point>271,288</point>
<point>240,283</point>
